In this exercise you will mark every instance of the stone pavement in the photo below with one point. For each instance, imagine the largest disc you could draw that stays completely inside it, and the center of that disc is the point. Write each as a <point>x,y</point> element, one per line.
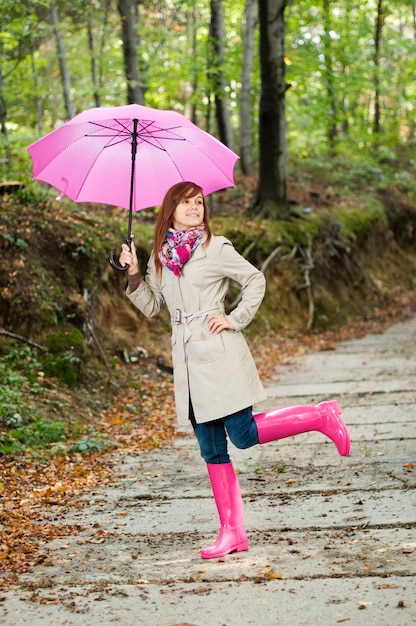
<point>332,540</point>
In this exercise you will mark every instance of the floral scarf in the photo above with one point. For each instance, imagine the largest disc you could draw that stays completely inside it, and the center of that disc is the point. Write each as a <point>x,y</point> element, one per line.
<point>178,246</point>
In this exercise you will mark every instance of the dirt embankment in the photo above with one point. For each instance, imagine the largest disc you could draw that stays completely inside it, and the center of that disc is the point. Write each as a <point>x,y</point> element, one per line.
<point>57,289</point>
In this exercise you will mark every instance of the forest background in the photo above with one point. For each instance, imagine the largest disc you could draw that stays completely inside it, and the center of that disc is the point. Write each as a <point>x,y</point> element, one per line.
<point>345,70</point>
<point>318,100</point>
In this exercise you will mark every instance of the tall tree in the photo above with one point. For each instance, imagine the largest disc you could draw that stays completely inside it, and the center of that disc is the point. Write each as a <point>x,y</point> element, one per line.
<point>216,73</point>
<point>192,34</point>
<point>93,56</point>
<point>377,44</point>
<point>172,69</point>
<point>20,38</point>
<point>128,33</point>
<point>63,66</point>
<point>3,106</point>
<point>246,153</point>
<point>331,131</point>
<point>97,17</point>
<point>271,200</point>
<point>36,94</point>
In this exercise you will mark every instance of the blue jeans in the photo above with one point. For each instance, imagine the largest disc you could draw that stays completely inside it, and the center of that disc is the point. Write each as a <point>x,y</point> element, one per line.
<point>212,436</point>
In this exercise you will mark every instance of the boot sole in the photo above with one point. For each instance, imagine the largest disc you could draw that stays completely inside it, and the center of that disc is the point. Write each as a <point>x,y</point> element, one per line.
<point>242,547</point>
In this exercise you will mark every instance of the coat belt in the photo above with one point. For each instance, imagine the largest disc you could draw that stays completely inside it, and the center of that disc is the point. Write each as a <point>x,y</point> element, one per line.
<point>181,317</point>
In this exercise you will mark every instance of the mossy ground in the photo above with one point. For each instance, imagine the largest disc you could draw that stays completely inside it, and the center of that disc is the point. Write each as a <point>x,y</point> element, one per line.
<point>340,257</point>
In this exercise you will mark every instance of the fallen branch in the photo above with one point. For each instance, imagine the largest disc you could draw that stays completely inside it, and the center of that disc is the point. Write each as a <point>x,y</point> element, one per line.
<point>270,258</point>
<point>308,266</point>
<point>6,333</point>
<point>252,245</point>
<point>89,331</point>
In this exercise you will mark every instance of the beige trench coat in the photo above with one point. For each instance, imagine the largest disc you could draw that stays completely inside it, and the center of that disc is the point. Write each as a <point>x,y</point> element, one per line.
<point>216,371</point>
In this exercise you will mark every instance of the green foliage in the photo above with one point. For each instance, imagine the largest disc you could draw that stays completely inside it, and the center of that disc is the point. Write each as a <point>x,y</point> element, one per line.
<point>356,223</point>
<point>23,398</point>
<point>16,241</point>
<point>20,392</point>
<point>95,442</point>
<point>335,76</point>
<point>64,339</point>
<point>40,434</point>
<point>64,367</point>
<point>12,404</point>
<point>18,375</point>
<point>35,435</point>
<point>65,355</point>
<point>172,58</point>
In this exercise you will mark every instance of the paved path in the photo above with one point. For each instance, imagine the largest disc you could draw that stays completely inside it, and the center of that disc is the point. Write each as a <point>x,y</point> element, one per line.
<point>332,540</point>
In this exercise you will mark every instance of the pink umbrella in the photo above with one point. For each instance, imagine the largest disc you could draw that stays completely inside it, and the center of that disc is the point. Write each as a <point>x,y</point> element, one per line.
<point>129,156</point>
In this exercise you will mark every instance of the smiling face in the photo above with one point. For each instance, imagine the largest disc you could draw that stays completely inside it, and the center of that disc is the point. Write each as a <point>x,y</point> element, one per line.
<point>189,213</point>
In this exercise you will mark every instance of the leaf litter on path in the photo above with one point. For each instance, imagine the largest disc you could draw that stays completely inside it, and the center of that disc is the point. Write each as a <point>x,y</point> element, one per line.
<point>141,418</point>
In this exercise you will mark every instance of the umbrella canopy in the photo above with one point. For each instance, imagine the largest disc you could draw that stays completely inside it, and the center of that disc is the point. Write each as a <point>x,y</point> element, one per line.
<point>89,157</point>
<point>130,156</point>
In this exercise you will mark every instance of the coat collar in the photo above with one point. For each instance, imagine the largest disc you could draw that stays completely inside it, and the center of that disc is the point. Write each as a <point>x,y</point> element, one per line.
<point>200,252</point>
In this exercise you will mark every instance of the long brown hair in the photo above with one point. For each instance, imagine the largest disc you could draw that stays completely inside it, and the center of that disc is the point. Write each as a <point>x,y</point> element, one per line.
<point>164,219</point>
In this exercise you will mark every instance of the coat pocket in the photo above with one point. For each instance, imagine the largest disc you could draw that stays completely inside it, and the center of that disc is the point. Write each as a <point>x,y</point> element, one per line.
<point>205,350</point>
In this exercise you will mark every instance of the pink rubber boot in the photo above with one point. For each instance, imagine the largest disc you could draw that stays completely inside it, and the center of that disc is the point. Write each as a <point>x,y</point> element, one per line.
<point>324,417</point>
<point>226,490</point>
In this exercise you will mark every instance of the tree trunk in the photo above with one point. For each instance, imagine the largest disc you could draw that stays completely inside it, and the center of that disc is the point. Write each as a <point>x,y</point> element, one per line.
<point>194,51</point>
<point>63,66</point>
<point>3,108</point>
<point>246,155</point>
<point>104,34</point>
<point>377,43</point>
<point>216,72</point>
<point>93,58</point>
<point>134,87</point>
<point>271,200</point>
<point>331,131</point>
<point>37,98</point>
<point>413,4</point>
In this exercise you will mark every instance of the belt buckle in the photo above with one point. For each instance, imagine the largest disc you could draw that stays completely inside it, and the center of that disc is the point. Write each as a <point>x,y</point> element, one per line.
<point>178,316</point>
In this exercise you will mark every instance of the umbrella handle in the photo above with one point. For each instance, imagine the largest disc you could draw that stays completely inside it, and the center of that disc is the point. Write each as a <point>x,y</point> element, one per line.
<point>115,264</point>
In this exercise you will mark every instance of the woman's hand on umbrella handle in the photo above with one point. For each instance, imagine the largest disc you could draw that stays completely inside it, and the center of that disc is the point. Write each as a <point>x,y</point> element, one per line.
<point>128,257</point>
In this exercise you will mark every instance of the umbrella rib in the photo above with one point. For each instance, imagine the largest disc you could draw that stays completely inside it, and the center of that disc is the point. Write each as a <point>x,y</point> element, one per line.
<point>144,134</point>
<point>205,154</point>
<point>123,135</point>
<point>91,165</point>
<point>121,139</point>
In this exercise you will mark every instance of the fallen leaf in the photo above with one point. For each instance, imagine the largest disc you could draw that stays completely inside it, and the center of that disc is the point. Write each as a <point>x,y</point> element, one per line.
<point>269,573</point>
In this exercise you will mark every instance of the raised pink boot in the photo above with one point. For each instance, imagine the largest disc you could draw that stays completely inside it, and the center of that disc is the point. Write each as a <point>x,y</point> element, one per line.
<point>324,417</point>
<point>226,490</point>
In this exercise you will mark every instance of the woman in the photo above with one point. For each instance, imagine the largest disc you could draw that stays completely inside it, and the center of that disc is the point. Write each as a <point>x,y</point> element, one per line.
<point>215,378</point>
